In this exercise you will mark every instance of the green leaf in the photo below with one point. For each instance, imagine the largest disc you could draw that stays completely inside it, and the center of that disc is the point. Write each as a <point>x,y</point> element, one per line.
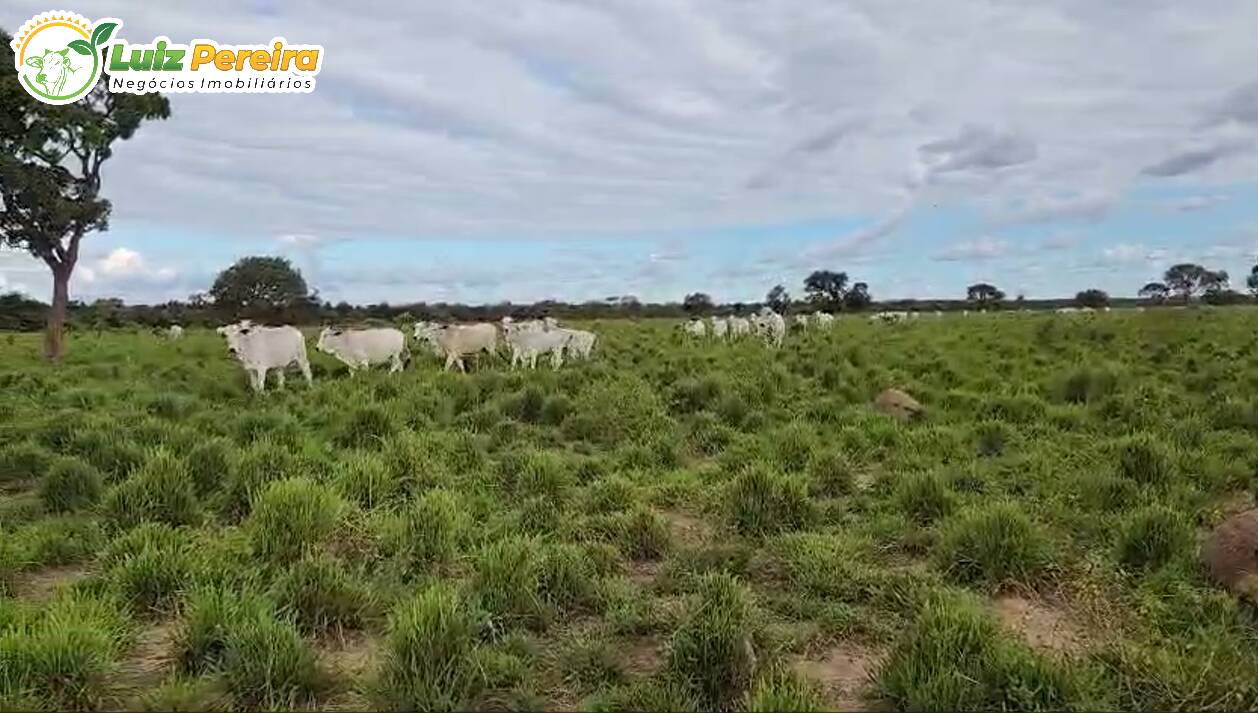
<point>81,46</point>
<point>102,32</point>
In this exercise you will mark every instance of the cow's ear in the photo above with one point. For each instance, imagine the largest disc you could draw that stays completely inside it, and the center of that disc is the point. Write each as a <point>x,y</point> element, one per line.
<point>65,52</point>
<point>35,62</point>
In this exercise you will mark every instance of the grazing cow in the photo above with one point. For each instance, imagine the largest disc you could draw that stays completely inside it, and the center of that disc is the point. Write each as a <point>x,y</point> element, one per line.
<point>739,327</point>
<point>888,317</point>
<point>54,69</point>
<point>770,325</point>
<point>823,319</point>
<point>580,342</point>
<point>174,332</point>
<point>720,327</point>
<point>696,328</point>
<point>360,348</point>
<point>261,349</point>
<point>529,341</point>
<point>455,341</point>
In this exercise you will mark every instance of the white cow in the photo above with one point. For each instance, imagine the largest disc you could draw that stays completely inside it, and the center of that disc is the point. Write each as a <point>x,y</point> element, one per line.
<point>720,327</point>
<point>889,317</point>
<point>770,325</point>
<point>739,327</point>
<point>696,328</point>
<point>455,341</point>
<point>580,342</point>
<point>823,319</point>
<point>528,341</point>
<point>174,332</point>
<point>801,321</point>
<point>360,348</point>
<point>261,349</point>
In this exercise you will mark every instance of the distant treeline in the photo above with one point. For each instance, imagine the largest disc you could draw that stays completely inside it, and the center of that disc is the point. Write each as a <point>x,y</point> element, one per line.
<point>20,313</point>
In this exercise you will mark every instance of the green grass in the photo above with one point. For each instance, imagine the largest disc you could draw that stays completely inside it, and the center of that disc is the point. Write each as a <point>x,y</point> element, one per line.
<point>669,526</point>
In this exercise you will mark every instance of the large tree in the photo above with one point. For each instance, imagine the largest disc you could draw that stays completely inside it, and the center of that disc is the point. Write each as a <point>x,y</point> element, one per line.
<point>697,303</point>
<point>778,298</point>
<point>1252,281</point>
<point>259,287</point>
<point>984,294</point>
<point>50,172</point>
<point>1154,292</point>
<point>858,297</point>
<point>1187,279</point>
<point>826,288</point>
<point>1093,298</point>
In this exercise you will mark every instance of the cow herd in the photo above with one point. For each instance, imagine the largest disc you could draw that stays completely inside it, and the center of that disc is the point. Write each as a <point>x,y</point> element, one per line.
<point>261,349</point>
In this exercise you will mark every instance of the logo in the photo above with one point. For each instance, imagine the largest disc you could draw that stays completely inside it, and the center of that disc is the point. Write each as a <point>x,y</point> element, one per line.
<point>60,57</point>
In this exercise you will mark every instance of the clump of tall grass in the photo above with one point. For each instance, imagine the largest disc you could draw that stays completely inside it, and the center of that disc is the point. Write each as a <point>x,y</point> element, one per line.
<point>506,583</point>
<point>256,467</point>
<point>109,450</point>
<point>642,534</point>
<point>1144,460</point>
<point>992,545</point>
<point>1087,385</point>
<point>609,495</point>
<point>830,474</point>
<point>413,462</point>
<point>791,447</point>
<point>924,496</point>
<point>783,690</point>
<point>433,528</point>
<point>713,652</point>
<point>320,595</point>
<point>566,578</point>
<point>365,478</point>
<point>291,517</point>
<point>1152,537</point>
<point>160,491</point>
<point>70,485</point>
<point>535,473</point>
<point>365,427</point>
<point>955,657</point>
<point>761,502</point>
<point>23,461</point>
<point>431,660</point>
<point>210,465</point>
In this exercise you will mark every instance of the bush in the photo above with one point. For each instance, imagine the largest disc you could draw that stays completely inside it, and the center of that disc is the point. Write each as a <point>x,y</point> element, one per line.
<point>430,658</point>
<point>321,595</point>
<point>760,502</point>
<point>292,516</point>
<point>713,651</point>
<point>993,545</point>
<point>954,657</point>
<point>923,496</point>
<point>70,485</point>
<point>1152,537</point>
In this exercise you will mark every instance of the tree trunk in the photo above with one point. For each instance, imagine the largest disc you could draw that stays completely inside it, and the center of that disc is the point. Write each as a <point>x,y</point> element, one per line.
<point>54,337</point>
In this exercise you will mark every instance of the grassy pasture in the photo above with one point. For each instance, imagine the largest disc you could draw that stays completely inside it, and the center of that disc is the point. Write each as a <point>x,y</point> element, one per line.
<point>673,525</point>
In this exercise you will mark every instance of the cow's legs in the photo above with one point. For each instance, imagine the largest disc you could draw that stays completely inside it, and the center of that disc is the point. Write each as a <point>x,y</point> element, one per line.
<point>279,376</point>
<point>396,364</point>
<point>304,364</point>
<point>257,379</point>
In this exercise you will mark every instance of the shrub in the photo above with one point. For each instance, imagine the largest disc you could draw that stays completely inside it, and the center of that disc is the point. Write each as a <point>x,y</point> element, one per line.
<point>291,516</point>
<point>365,427</point>
<point>954,657</point>
<point>161,491</point>
<point>70,484</point>
<point>923,496</point>
<point>1144,460</point>
<point>993,545</point>
<point>713,651</point>
<point>1152,537</point>
<point>430,660</point>
<point>320,594</point>
<point>760,502</point>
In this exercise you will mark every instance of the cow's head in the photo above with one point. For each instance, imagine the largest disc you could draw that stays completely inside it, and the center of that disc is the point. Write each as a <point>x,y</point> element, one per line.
<point>53,66</point>
<point>324,344</point>
<point>234,333</point>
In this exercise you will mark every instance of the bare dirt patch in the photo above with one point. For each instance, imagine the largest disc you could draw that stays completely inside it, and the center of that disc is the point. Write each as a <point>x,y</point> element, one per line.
<point>349,658</point>
<point>644,656</point>
<point>148,661</point>
<point>686,528</point>
<point>43,584</point>
<point>1045,624</point>
<point>844,672</point>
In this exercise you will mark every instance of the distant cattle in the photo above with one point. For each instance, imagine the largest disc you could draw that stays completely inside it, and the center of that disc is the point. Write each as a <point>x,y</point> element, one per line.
<point>455,341</point>
<point>174,332</point>
<point>360,348</point>
<point>696,328</point>
<point>739,327</point>
<point>720,327</point>
<point>261,349</point>
<point>770,325</point>
<point>530,340</point>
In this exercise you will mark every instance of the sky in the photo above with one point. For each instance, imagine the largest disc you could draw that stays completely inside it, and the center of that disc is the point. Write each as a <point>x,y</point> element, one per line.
<point>480,151</point>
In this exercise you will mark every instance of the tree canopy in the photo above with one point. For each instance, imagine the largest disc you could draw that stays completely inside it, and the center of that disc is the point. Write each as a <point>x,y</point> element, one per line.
<point>984,294</point>
<point>1093,298</point>
<point>778,298</point>
<point>259,286</point>
<point>1154,292</point>
<point>826,287</point>
<point>697,303</point>
<point>50,173</point>
<point>858,297</point>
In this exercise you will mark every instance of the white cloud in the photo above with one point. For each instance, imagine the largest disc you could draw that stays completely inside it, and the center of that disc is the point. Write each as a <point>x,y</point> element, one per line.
<point>985,248</point>
<point>1192,204</point>
<point>1131,253</point>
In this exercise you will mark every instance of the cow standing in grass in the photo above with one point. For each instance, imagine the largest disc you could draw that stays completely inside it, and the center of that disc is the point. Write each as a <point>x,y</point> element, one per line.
<point>360,348</point>
<point>261,349</point>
